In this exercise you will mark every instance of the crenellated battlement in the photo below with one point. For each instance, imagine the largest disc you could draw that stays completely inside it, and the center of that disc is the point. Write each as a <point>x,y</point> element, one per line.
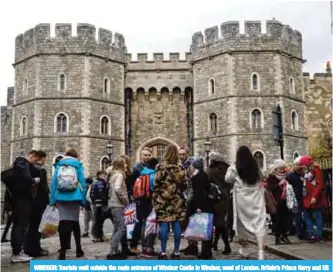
<point>38,40</point>
<point>227,38</point>
<point>158,57</point>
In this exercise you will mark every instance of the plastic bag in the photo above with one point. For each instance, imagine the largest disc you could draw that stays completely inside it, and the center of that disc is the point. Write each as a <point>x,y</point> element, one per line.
<point>50,221</point>
<point>200,227</point>
<point>151,224</point>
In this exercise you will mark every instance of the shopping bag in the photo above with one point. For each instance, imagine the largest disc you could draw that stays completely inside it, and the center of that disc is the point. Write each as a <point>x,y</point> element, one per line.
<point>151,224</point>
<point>50,221</point>
<point>200,227</point>
<point>130,214</point>
<point>129,231</point>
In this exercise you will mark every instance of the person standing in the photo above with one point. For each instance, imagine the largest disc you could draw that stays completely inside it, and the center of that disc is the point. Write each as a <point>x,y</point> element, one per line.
<point>68,195</point>
<point>117,203</point>
<point>41,200</point>
<point>145,155</point>
<point>200,202</point>
<point>249,201</point>
<point>216,172</point>
<point>168,199</point>
<point>88,212</point>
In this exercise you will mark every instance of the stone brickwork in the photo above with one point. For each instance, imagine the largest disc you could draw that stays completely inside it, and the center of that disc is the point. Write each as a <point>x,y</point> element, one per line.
<point>318,93</point>
<point>99,73</point>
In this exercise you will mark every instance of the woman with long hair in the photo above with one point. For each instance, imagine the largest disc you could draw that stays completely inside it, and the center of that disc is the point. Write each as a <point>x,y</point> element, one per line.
<point>117,203</point>
<point>68,201</point>
<point>248,200</point>
<point>168,199</point>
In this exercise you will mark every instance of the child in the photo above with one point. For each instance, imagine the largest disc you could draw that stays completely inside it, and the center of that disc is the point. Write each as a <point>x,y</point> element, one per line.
<point>99,195</point>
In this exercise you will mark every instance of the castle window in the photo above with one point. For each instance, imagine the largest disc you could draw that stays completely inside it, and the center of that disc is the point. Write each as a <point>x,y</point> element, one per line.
<point>213,122</point>
<point>260,158</point>
<point>291,85</point>
<point>296,155</point>
<point>104,163</point>
<point>160,149</point>
<point>294,120</point>
<point>255,82</point>
<point>105,125</point>
<point>256,119</point>
<point>61,123</point>
<point>106,87</point>
<point>211,86</point>
<point>24,126</point>
<point>25,86</point>
<point>62,82</point>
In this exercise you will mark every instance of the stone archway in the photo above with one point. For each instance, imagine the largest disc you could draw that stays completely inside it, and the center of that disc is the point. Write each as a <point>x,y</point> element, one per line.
<point>153,142</point>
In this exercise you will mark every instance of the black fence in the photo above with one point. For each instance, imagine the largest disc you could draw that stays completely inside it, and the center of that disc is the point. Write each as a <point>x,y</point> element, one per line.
<point>327,173</point>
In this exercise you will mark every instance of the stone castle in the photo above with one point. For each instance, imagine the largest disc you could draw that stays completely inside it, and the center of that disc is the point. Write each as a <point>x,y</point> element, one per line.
<point>81,91</point>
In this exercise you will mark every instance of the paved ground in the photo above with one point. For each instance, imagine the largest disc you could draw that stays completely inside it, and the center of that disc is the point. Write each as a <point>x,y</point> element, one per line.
<point>99,251</point>
<point>301,250</point>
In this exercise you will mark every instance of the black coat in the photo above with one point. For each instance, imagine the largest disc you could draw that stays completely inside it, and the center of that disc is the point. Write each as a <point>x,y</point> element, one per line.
<point>42,190</point>
<point>200,186</point>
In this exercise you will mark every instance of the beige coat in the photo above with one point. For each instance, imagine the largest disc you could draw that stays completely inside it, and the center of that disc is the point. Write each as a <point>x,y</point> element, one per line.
<point>118,190</point>
<point>248,205</point>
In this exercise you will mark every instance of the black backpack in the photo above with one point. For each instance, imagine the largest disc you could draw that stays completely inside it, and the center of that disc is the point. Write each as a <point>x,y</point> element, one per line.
<point>10,176</point>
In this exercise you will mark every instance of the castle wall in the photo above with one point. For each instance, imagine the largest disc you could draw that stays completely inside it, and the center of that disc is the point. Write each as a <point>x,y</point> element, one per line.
<point>318,93</point>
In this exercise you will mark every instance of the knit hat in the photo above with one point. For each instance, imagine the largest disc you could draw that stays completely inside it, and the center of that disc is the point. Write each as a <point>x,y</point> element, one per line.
<point>306,160</point>
<point>198,163</point>
<point>279,163</point>
<point>216,157</point>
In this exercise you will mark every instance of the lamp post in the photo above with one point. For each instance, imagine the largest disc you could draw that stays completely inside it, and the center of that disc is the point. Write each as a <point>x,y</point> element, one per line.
<point>207,145</point>
<point>109,150</point>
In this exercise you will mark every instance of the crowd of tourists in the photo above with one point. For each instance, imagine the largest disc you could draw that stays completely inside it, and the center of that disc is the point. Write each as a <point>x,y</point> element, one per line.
<point>239,196</point>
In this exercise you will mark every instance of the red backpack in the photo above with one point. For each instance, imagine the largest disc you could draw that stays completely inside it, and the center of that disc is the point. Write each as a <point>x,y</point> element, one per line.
<point>141,187</point>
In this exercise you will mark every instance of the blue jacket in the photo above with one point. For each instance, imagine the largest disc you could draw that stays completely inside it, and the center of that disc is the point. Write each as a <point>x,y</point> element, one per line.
<point>79,194</point>
<point>151,173</point>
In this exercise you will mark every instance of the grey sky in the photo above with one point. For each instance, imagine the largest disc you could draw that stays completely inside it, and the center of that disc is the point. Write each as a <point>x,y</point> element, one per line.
<point>164,26</point>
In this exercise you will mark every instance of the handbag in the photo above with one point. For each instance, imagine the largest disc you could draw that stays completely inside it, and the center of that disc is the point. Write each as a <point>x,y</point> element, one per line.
<point>270,202</point>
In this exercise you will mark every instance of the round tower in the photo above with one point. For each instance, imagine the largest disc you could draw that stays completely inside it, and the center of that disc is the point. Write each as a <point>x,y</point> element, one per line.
<point>239,79</point>
<point>69,92</point>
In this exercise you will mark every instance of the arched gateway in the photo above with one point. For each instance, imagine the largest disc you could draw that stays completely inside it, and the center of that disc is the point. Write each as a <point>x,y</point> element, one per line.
<point>157,144</point>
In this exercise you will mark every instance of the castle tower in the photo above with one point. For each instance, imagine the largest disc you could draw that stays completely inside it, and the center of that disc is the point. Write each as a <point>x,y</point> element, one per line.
<point>69,92</point>
<point>239,79</point>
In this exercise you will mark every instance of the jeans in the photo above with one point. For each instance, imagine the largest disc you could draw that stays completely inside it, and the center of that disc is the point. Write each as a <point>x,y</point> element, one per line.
<point>99,218</point>
<point>164,231</point>
<point>119,228</point>
<point>318,217</point>
<point>20,216</point>
<point>147,242</point>
<point>136,234</point>
<point>88,216</point>
<point>298,218</point>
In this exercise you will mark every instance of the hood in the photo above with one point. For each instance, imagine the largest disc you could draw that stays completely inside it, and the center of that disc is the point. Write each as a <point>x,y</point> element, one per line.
<point>70,161</point>
<point>147,171</point>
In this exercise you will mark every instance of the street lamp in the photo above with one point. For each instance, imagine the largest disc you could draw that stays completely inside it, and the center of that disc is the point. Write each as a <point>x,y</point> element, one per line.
<point>109,150</point>
<point>207,145</point>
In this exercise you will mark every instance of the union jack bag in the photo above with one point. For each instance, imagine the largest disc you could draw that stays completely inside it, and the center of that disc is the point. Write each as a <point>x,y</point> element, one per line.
<point>130,214</point>
<point>151,224</point>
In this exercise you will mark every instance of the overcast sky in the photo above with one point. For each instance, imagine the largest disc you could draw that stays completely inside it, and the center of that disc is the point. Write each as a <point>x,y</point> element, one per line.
<point>163,26</point>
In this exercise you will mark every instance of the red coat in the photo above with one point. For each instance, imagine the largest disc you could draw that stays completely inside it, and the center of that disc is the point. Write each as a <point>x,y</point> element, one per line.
<point>316,191</point>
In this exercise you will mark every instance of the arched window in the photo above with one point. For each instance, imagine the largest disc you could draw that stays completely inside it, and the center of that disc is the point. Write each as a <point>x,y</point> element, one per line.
<point>291,85</point>
<point>255,82</point>
<point>62,82</point>
<point>211,86</point>
<point>294,120</point>
<point>213,122</point>
<point>105,125</point>
<point>256,120</point>
<point>106,86</point>
<point>260,158</point>
<point>24,126</point>
<point>295,155</point>
<point>104,163</point>
<point>25,86</point>
<point>61,123</point>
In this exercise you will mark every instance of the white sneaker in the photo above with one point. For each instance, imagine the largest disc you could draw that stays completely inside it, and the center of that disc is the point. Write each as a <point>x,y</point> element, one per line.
<point>21,258</point>
<point>261,255</point>
<point>243,253</point>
